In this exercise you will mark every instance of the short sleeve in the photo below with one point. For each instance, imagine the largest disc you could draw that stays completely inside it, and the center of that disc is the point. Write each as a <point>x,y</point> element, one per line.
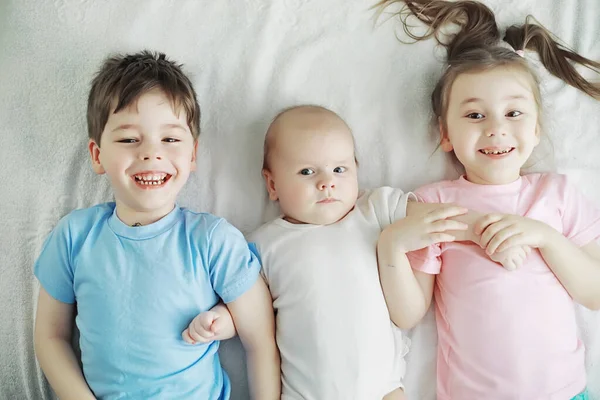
<point>580,217</point>
<point>53,268</point>
<point>389,204</point>
<point>233,267</point>
<point>427,260</point>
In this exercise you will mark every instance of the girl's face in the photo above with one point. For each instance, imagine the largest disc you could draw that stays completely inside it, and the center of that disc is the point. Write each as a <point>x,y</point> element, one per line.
<point>491,124</point>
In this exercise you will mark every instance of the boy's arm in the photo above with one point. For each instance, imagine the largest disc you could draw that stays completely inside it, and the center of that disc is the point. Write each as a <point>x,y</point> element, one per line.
<point>214,324</point>
<point>254,320</point>
<point>52,340</point>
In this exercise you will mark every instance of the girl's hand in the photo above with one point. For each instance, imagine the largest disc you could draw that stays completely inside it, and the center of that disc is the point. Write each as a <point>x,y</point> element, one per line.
<point>500,232</point>
<point>418,231</point>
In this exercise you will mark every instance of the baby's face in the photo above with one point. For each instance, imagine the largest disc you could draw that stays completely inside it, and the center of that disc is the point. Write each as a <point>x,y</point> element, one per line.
<point>313,172</point>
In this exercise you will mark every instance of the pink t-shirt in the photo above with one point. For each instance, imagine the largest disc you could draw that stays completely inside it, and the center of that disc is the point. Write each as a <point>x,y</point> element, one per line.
<point>507,335</point>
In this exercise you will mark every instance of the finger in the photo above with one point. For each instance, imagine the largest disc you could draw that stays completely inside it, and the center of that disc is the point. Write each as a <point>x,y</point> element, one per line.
<point>434,238</point>
<point>206,320</point>
<point>185,335</point>
<point>509,264</point>
<point>519,239</point>
<point>200,336</point>
<point>500,238</point>
<point>484,222</point>
<point>447,225</point>
<point>445,212</point>
<point>217,325</point>
<point>491,231</point>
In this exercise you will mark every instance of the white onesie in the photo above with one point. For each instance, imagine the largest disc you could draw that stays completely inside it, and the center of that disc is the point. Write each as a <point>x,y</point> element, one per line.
<point>333,329</point>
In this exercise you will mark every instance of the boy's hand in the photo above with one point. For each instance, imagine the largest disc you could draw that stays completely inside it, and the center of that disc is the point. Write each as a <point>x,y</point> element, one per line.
<point>421,230</point>
<point>204,328</point>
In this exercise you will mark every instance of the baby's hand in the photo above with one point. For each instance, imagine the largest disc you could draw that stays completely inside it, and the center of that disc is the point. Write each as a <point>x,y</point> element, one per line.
<point>204,328</point>
<point>511,258</point>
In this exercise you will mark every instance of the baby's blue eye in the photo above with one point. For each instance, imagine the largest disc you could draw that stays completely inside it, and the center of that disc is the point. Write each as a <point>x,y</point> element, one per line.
<point>339,170</point>
<point>307,171</point>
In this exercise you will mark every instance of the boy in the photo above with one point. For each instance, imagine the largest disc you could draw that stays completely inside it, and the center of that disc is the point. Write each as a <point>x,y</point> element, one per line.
<point>141,268</point>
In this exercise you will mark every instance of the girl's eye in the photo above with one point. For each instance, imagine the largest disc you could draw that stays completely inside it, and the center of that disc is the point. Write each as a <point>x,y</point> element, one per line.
<point>127,140</point>
<point>514,114</point>
<point>307,171</point>
<point>339,170</point>
<point>475,116</point>
<point>170,140</point>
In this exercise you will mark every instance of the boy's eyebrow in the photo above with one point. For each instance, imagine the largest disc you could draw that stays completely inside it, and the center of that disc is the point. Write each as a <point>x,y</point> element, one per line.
<point>137,127</point>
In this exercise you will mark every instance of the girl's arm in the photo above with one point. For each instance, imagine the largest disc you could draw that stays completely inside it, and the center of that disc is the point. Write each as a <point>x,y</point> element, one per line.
<point>408,293</point>
<point>577,268</point>
<point>52,339</point>
<point>255,323</point>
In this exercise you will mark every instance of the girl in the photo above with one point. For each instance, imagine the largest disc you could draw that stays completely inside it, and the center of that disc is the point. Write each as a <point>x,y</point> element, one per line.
<point>502,334</point>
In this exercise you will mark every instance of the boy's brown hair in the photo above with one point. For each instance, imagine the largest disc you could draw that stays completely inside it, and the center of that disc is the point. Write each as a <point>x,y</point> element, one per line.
<point>122,79</point>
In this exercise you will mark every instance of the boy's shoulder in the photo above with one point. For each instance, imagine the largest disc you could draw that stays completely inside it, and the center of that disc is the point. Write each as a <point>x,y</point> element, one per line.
<point>87,217</point>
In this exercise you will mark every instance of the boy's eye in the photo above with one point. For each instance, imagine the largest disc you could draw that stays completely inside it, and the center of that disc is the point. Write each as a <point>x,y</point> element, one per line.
<point>475,116</point>
<point>307,171</point>
<point>514,113</point>
<point>339,170</point>
<point>128,140</point>
<point>171,140</point>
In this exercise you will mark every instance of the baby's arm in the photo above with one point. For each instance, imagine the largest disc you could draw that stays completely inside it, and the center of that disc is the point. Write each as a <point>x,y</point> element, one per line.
<point>215,324</point>
<point>52,339</point>
<point>254,319</point>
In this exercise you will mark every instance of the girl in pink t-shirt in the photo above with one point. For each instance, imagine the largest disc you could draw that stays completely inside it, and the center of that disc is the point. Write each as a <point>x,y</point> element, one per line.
<point>504,333</point>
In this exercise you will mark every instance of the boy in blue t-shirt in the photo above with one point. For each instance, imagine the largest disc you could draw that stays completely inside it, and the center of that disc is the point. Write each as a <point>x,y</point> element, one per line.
<point>139,270</point>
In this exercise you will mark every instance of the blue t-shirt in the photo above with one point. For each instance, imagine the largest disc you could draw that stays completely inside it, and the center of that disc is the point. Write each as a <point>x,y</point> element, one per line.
<point>137,289</point>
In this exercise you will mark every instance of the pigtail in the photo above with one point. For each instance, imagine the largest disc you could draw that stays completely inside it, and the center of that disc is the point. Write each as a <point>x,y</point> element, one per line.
<point>477,23</point>
<point>557,58</point>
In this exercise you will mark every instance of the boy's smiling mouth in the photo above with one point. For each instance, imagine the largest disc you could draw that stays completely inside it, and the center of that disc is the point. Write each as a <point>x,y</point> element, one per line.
<point>149,180</point>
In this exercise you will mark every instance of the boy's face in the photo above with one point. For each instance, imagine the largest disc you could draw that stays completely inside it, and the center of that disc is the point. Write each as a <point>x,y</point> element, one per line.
<point>147,151</point>
<point>313,171</point>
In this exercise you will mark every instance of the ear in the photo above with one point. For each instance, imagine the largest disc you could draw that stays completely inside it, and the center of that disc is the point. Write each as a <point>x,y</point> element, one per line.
<point>94,150</point>
<point>270,183</point>
<point>444,140</point>
<point>193,164</point>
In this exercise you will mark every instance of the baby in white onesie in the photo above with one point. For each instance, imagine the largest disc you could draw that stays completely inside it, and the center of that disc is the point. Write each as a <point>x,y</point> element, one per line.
<point>319,260</point>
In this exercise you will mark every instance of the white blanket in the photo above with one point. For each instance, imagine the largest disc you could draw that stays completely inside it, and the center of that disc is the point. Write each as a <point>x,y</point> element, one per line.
<point>247,59</point>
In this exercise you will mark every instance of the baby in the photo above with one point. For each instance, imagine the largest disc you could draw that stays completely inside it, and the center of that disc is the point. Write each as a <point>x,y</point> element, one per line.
<point>319,259</point>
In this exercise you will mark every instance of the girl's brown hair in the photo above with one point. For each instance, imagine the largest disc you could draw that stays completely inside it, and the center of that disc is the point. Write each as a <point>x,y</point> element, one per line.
<point>478,46</point>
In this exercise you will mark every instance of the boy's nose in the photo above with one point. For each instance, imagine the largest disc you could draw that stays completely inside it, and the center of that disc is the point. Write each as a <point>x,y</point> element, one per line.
<point>150,152</point>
